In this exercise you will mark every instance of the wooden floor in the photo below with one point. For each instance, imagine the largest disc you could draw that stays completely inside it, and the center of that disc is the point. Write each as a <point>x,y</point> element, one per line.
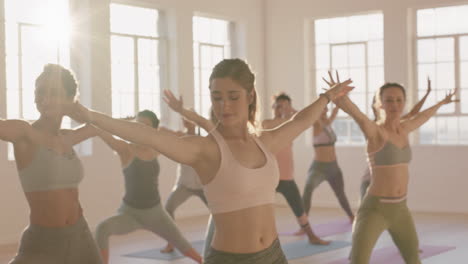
<point>434,229</point>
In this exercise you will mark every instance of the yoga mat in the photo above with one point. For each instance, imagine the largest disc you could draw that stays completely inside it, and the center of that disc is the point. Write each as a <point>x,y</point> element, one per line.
<point>292,250</point>
<point>391,255</point>
<point>327,229</point>
<point>302,248</point>
<point>156,254</point>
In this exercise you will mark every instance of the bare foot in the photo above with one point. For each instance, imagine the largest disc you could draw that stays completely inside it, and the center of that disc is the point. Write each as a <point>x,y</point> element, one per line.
<point>168,249</point>
<point>318,241</point>
<point>299,232</point>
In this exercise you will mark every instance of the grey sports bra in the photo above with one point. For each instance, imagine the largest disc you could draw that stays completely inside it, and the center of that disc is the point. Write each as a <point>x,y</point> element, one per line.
<point>390,155</point>
<point>51,171</point>
<point>326,138</point>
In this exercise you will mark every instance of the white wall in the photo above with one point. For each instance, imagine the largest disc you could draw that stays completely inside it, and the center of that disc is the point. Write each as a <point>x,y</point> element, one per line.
<point>102,190</point>
<point>438,173</point>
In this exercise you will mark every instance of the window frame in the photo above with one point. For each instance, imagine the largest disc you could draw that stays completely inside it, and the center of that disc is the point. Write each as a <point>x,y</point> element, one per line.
<point>457,77</point>
<point>163,61</point>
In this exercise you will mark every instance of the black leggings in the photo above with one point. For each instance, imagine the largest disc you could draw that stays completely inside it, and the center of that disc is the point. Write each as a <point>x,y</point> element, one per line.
<point>288,188</point>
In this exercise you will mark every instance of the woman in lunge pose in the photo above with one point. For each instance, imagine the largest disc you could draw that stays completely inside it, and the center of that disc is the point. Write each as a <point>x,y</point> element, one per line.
<point>237,168</point>
<point>141,206</point>
<point>50,172</point>
<point>384,206</point>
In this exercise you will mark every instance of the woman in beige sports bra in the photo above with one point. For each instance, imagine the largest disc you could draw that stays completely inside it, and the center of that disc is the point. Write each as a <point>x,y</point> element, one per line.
<point>50,172</point>
<point>237,168</point>
<point>384,206</point>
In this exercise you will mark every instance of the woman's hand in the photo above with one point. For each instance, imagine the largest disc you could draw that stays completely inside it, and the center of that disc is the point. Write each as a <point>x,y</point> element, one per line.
<point>177,105</point>
<point>337,89</point>
<point>78,112</point>
<point>449,98</point>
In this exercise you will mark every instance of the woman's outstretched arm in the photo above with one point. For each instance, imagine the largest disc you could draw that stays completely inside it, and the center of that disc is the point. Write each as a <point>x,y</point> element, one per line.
<point>185,150</point>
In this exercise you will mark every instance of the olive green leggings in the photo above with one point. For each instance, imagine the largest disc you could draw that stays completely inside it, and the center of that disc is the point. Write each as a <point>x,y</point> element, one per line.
<point>373,218</point>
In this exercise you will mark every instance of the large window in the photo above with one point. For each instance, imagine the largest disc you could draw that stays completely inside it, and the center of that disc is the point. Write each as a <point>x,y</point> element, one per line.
<point>442,55</point>
<point>352,45</point>
<point>138,52</point>
<point>36,34</point>
<point>211,43</point>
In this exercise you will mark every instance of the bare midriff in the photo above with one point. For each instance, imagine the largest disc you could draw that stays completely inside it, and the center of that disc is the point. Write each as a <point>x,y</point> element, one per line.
<point>245,231</point>
<point>55,208</point>
<point>389,181</point>
<point>325,154</point>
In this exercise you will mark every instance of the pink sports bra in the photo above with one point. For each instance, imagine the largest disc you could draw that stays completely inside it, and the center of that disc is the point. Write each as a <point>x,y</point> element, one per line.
<point>236,187</point>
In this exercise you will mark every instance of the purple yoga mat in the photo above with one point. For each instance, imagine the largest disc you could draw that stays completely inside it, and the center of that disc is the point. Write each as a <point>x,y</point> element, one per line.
<point>328,229</point>
<point>391,255</point>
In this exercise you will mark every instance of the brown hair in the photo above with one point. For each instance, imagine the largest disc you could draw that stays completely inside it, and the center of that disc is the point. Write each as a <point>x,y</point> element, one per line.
<point>390,85</point>
<point>281,96</point>
<point>151,116</point>
<point>58,72</point>
<point>239,71</point>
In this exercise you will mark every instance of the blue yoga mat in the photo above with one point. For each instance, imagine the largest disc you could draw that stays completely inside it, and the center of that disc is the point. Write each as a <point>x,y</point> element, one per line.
<point>302,248</point>
<point>156,254</point>
<point>292,250</point>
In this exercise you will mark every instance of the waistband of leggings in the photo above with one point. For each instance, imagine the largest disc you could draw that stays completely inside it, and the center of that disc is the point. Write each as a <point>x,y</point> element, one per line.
<point>389,200</point>
<point>275,244</point>
<point>61,230</point>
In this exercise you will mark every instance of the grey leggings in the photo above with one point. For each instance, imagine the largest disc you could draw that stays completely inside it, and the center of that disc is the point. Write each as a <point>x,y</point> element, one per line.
<point>129,219</point>
<point>58,245</point>
<point>179,195</point>
<point>330,172</point>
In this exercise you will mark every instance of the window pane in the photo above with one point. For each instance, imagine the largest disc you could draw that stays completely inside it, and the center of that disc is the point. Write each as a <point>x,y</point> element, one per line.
<point>123,76</point>
<point>427,132</point>
<point>322,56</point>
<point>463,122</point>
<point>426,22</point>
<point>322,31</point>
<point>211,44</point>
<point>144,21</point>
<point>445,49</point>
<point>426,71</point>
<point>446,20</point>
<point>464,100</point>
<point>357,55</point>
<point>426,50</point>
<point>336,30</point>
<point>445,76</point>
<point>462,19</point>
<point>464,75</point>
<point>375,77</point>
<point>375,25</point>
<point>339,56</point>
<point>357,28</point>
<point>341,128</point>
<point>464,48</point>
<point>447,130</point>
<point>375,55</point>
